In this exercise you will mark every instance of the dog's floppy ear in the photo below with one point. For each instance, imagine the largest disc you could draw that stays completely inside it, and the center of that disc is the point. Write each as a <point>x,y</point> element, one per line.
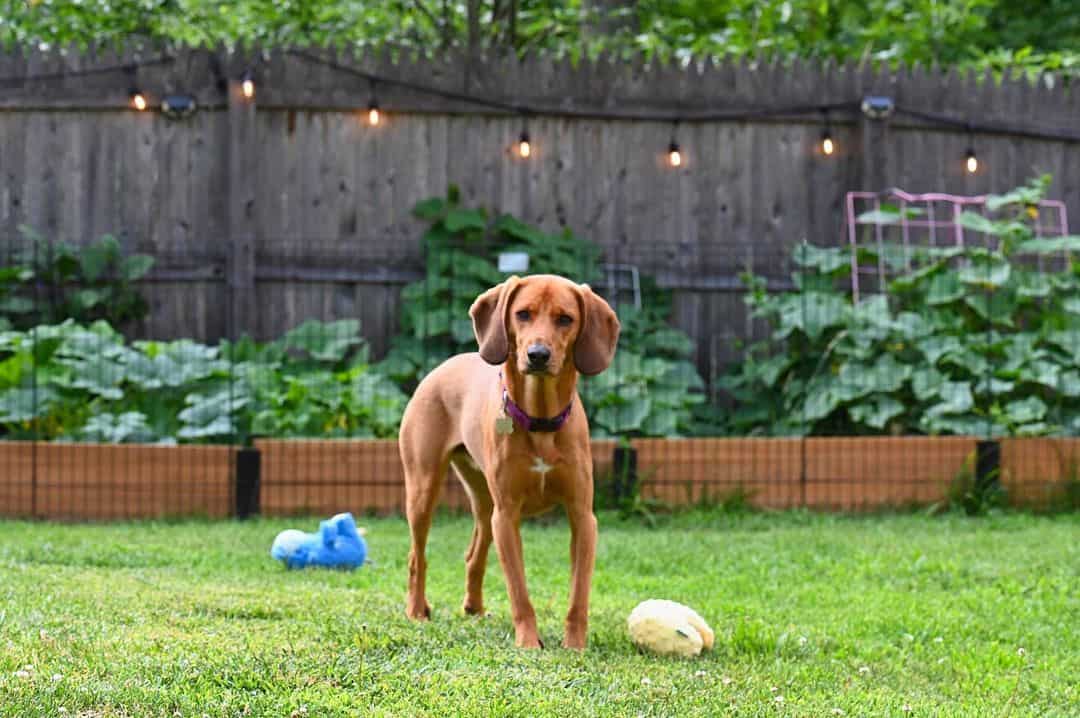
<point>595,345</point>
<point>488,314</point>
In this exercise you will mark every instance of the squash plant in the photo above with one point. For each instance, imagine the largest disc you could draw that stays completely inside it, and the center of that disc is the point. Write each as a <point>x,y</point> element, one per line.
<point>973,340</point>
<point>652,388</point>
<point>76,382</point>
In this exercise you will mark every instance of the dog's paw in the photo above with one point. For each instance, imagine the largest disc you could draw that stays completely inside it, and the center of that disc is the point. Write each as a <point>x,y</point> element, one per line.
<point>419,614</point>
<point>471,610</point>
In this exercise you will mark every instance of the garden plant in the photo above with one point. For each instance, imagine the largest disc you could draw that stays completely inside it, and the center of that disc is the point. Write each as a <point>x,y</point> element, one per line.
<point>980,339</point>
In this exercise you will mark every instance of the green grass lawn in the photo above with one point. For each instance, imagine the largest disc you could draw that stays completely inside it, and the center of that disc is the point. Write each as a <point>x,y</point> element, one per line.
<point>815,616</point>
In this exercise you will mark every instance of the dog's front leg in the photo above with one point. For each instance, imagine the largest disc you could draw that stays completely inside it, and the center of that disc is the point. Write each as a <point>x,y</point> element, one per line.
<point>505,527</point>
<point>582,558</point>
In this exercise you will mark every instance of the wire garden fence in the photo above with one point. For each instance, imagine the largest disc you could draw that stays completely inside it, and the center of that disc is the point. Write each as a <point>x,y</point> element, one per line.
<point>923,361</point>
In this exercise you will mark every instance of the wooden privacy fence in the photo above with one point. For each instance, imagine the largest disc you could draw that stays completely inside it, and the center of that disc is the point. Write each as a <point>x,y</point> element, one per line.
<point>315,477</point>
<point>287,205</point>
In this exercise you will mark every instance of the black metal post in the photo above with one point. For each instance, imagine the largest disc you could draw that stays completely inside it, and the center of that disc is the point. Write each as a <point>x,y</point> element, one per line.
<point>248,470</point>
<point>625,463</point>
<point>987,467</point>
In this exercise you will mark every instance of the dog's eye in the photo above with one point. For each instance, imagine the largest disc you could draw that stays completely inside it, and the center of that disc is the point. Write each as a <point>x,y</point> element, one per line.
<point>523,315</point>
<point>564,320</point>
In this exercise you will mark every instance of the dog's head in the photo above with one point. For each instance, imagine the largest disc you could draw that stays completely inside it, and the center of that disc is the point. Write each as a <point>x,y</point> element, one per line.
<point>544,320</point>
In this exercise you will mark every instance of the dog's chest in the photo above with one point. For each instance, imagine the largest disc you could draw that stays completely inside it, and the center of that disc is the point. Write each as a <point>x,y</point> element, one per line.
<point>542,485</point>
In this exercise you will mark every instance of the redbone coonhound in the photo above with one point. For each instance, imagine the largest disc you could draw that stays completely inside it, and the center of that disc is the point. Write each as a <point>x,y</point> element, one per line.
<point>510,423</point>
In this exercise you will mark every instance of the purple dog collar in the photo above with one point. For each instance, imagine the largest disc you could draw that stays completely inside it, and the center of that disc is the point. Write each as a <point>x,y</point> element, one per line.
<point>532,423</point>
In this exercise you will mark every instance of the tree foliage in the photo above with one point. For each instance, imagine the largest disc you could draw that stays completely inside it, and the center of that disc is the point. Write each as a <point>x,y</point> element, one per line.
<point>1035,34</point>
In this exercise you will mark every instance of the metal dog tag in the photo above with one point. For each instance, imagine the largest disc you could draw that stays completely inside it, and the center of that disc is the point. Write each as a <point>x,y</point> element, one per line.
<point>504,425</point>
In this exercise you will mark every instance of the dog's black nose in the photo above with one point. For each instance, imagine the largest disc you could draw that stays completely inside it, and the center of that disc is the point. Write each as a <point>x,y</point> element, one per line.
<point>539,355</point>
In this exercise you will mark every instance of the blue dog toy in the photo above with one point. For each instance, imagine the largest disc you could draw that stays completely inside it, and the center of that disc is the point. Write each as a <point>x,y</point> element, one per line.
<point>337,545</point>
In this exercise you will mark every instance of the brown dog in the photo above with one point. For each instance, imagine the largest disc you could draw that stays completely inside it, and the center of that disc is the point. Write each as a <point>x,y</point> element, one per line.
<point>510,422</point>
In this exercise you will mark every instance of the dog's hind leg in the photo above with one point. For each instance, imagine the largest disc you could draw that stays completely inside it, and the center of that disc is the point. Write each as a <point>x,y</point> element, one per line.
<point>476,555</point>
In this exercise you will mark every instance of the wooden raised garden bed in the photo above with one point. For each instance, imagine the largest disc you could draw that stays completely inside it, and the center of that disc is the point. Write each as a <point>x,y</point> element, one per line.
<point>320,477</point>
<point>313,476</point>
<point>841,473</point>
<point>114,481</point>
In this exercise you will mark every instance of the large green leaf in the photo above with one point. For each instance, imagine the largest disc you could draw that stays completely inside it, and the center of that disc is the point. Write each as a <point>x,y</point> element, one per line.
<point>95,258</point>
<point>462,331</point>
<point>962,425</point>
<point>661,423</point>
<point>927,383</point>
<point>988,273</point>
<point>1049,245</point>
<point>128,427</point>
<point>1069,383</point>
<point>877,412</point>
<point>915,278</point>
<point>517,229</point>
<point>819,403</point>
<point>944,288</point>
<point>624,418</point>
<point>936,347</point>
<point>1026,410</point>
<point>19,405</point>
<point>1032,285</point>
<point>134,267</point>
<point>955,398</point>
<point>978,223</point>
<point>1068,340</point>
<point>325,341</point>
<point>458,219</point>
<point>1044,372</point>
<point>995,307</point>
<point>815,312</point>
<point>431,209</point>
<point>210,415</point>
<point>669,341</point>
<point>823,259</point>
<point>97,374</point>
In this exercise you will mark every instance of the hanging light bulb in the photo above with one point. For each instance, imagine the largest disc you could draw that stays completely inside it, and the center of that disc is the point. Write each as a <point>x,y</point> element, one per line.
<point>674,154</point>
<point>971,161</point>
<point>247,85</point>
<point>373,114</point>
<point>827,145</point>
<point>138,99</point>
<point>524,146</point>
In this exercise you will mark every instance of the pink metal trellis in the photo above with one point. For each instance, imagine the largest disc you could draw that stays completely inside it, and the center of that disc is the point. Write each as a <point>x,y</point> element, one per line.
<point>934,223</point>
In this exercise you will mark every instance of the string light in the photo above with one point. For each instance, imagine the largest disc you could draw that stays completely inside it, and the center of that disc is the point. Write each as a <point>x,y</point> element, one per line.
<point>247,85</point>
<point>675,158</point>
<point>138,99</point>
<point>827,144</point>
<point>373,116</point>
<point>674,154</point>
<point>971,161</point>
<point>140,102</point>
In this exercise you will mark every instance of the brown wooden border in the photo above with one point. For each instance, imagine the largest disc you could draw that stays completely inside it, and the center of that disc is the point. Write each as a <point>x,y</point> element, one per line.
<point>115,481</point>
